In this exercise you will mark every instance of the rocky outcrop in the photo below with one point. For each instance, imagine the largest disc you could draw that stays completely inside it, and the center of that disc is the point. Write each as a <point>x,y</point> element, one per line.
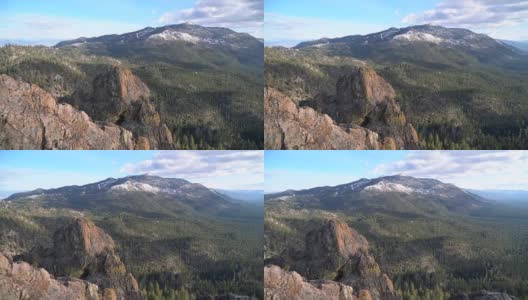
<point>20,280</point>
<point>363,114</point>
<point>482,295</point>
<point>336,251</point>
<point>282,285</point>
<point>30,118</point>
<point>83,250</point>
<point>365,99</point>
<point>287,126</point>
<point>120,97</point>
<point>337,256</point>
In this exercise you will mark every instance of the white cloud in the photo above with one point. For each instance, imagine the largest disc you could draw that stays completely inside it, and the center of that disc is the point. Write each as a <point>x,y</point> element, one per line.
<point>239,15</point>
<point>43,27</point>
<point>489,16</point>
<point>467,169</point>
<point>279,28</point>
<point>215,169</point>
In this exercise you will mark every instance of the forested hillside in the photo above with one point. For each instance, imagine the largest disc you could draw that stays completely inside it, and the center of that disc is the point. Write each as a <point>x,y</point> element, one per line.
<point>460,91</point>
<point>208,91</point>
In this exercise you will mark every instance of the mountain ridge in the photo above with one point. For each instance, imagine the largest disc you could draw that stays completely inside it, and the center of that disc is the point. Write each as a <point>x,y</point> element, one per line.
<point>147,32</point>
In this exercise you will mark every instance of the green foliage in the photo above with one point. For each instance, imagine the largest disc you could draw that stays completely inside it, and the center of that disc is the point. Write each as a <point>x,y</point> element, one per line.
<point>455,99</point>
<point>208,99</point>
<point>424,252</point>
<point>181,252</point>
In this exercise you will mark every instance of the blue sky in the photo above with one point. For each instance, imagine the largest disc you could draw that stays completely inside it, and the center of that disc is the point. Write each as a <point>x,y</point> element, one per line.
<point>467,169</point>
<point>28,170</point>
<point>55,20</point>
<point>290,21</point>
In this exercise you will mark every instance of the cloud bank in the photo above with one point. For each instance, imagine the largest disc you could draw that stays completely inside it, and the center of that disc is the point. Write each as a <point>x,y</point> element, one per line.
<point>215,169</point>
<point>467,169</point>
<point>490,16</point>
<point>239,15</point>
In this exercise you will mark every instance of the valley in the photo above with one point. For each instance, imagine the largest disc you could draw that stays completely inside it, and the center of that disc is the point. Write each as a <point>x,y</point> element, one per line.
<point>180,240</point>
<point>458,90</point>
<point>173,87</point>
<point>433,240</point>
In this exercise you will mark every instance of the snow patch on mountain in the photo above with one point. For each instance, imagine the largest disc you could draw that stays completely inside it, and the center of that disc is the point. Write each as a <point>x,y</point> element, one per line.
<point>359,184</point>
<point>384,186</point>
<point>170,35</point>
<point>133,186</point>
<point>413,36</point>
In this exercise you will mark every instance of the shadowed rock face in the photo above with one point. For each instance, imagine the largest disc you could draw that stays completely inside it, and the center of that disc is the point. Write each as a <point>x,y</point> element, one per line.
<point>287,126</point>
<point>30,118</point>
<point>365,99</point>
<point>340,255</point>
<point>83,250</point>
<point>120,97</point>
<point>358,93</point>
<point>20,280</point>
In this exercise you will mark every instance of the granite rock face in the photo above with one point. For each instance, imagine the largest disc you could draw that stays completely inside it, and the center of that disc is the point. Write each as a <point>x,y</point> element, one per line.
<point>30,118</point>
<point>288,126</point>
<point>336,257</point>
<point>20,280</point>
<point>83,250</point>
<point>282,285</point>
<point>365,99</point>
<point>363,114</point>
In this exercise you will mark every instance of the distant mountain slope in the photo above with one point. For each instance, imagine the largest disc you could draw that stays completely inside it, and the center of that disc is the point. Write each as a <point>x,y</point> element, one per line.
<point>243,195</point>
<point>145,195</point>
<point>521,45</point>
<point>459,89</point>
<point>391,194</point>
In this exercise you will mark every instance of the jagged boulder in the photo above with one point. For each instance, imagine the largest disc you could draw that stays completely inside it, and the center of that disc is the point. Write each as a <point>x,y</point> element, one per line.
<point>358,93</point>
<point>30,118</point>
<point>287,126</point>
<point>83,250</point>
<point>282,285</point>
<point>20,280</point>
<point>120,97</point>
<point>337,252</point>
<point>365,99</point>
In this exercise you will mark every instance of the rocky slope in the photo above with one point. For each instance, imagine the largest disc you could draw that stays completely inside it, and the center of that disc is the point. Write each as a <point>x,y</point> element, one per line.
<point>288,126</point>
<point>363,114</point>
<point>338,254</point>
<point>31,118</point>
<point>120,97</point>
<point>83,261</point>
<point>280,284</point>
<point>20,280</point>
<point>365,99</point>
